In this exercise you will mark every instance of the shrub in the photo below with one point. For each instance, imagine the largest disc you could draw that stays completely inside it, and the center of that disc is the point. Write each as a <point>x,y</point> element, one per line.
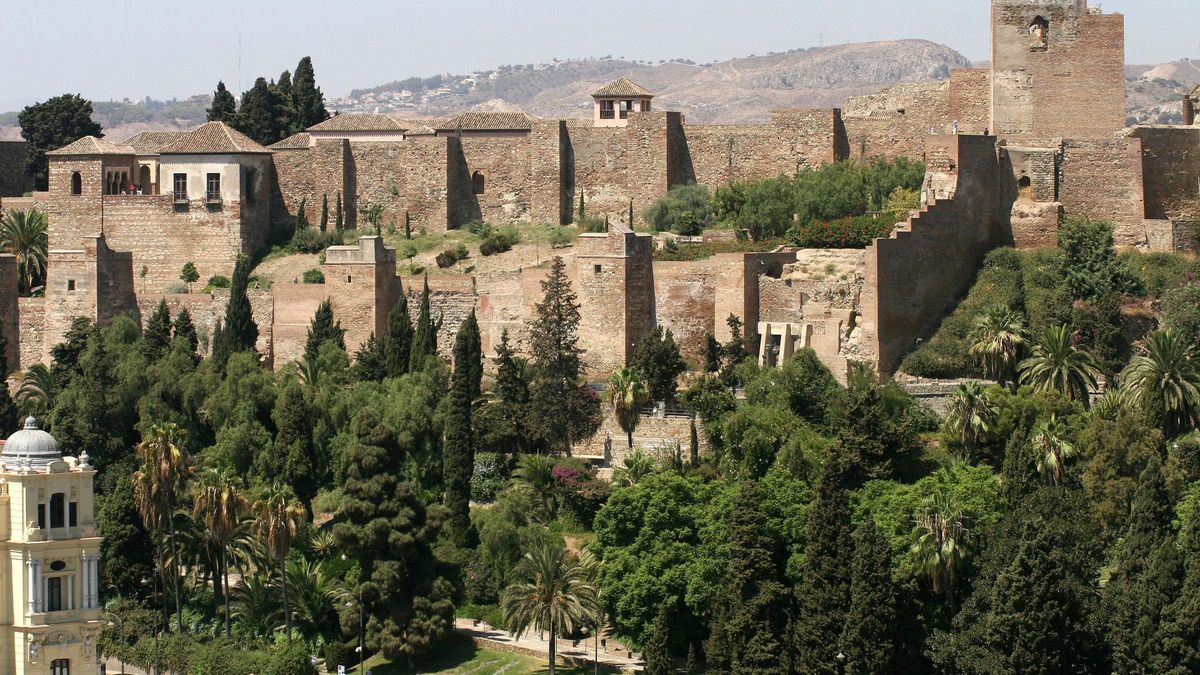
<point>560,237</point>
<point>1160,272</point>
<point>499,241</point>
<point>175,287</point>
<point>409,251</point>
<point>311,240</point>
<point>450,256</point>
<point>1090,263</point>
<point>489,478</point>
<point>685,210</point>
<point>900,202</point>
<point>852,232</point>
<point>1181,312</point>
<point>218,281</point>
<point>339,653</point>
<point>591,224</point>
<point>478,228</point>
<point>313,276</point>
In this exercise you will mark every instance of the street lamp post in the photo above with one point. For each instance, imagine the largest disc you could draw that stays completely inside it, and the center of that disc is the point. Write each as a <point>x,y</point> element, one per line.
<point>121,633</point>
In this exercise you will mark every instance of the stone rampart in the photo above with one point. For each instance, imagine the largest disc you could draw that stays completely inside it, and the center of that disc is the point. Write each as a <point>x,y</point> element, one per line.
<point>1103,179</point>
<point>1171,171</point>
<point>10,313</point>
<point>896,121</point>
<point>14,182</point>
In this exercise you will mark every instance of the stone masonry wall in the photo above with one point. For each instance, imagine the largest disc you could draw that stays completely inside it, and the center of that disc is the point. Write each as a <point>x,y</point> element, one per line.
<point>721,154</point>
<point>32,333</point>
<point>1171,171</point>
<point>684,303</point>
<point>9,313</point>
<point>896,121</point>
<point>970,99</point>
<point>13,180</point>
<point>505,165</point>
<point>1103,179</point>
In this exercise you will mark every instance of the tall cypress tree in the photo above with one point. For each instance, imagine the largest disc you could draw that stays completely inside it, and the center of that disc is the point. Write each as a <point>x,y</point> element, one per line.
<point>286,119</point>
<point>224,106</point>
<point>185,330</point>
<point>323,329</point>
<point>757,598</point>
<point>240,332</point>
<point>1179,633</point>
<point>324,212</point>
<point>258,117</point>
<point>8,409</point>
<point>397,342</point>
<point>502,425</point>
<point>458,459</point>
<point>658,646</point>
<point>307,97</point>
<point>156,337</point>
<point>823,594</point>
<point>868,639</point>
<point>294,459</point>
<point>425,333</point>
<point>1160,586</point>
<point>369,363</point>
<point>1149,523</point>
<point>338,225</point>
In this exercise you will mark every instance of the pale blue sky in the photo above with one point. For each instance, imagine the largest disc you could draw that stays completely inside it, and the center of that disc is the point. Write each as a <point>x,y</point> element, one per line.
<point>162,49</point>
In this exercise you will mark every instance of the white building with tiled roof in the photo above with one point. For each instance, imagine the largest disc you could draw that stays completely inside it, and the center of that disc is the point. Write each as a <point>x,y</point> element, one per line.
<point>615,100</point>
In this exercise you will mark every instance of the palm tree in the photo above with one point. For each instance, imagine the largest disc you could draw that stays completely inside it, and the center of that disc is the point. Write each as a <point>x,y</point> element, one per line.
<point>278,516</point>
<point>536,472</point>
<point>636,466</point>
<point>219,502</point>
<point>1053,448</point>
<point>309,372</point>
<point>37,390</point>
<point>1056,365</point>
<point>1114,402</point>
<point>970,414</point>
<point>997,340</point>
<point>556,597</point>
<point>313,591</point>
<point>1165,378</point>
<point>941,535</point>
<point>24,234</point>
<point>256,604</point>
<point>627,393</point>
<point>165,467</point>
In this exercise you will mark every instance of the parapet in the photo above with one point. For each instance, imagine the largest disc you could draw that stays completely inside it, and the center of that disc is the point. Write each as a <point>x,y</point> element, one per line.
<point>367,251</point>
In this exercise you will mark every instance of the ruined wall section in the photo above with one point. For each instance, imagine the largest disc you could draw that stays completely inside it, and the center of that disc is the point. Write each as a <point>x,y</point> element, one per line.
<point>914,277</point>
<point>451,299</point>
<point>1170,172</point>
<point>13,180</point>
<point>1102,179</point>
<point>896,121</point>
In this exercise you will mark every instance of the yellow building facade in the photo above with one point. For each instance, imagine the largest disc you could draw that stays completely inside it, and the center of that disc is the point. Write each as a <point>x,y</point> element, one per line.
<point>49,590</point>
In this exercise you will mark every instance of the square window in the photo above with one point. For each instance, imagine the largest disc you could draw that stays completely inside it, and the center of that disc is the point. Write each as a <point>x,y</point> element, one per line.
<point>596,269</point>
<point>70,285</point>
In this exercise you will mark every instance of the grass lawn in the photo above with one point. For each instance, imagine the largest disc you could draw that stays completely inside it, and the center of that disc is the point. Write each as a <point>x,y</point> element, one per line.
<point>461,657</point>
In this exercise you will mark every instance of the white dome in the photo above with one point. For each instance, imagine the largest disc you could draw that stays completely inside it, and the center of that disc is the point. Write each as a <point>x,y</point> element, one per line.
<point>39,446</point>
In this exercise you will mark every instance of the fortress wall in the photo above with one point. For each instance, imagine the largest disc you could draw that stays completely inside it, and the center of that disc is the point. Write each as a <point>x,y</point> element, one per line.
<point>915,276</point>
<point>1103,179</point>
<point>451,299</point>
<point>9,313</point>
<point>684,303</point>
<point>598,162</point>
<point>548,202</point>
<point>654,156</point>
<point>379,175</point>
<point>505,164</point>
<point>332,171</point>
<point>970,98</point>
<point>70,217</point>
<point>295,180</point>
<point>500,306</point>
<point>425,177</point>
<point>602,271</point>
<point>793,140</point>
<point>31,334</point>
<point>876,127</point>
<point>13,181</point>
<point>1171,171</point>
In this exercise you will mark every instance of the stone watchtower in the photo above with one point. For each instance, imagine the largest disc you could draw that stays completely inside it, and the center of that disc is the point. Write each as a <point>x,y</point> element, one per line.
<point>1058,70</point>
<point>49,584</point>
<point>615,100</point>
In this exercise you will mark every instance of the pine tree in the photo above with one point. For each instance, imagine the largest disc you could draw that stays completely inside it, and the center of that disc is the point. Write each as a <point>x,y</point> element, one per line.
<point>8,409</point>
<point>1149,523</point>
<point>307,97</point>
<point>407,226</point>
<point>502,425</point>
<point>693,660</point>
<point>868,638</point>
<point>156,337</point>
<point>630,222</point>
<point>323,329</point>
<point>127,550</point>
<point>561,410</point>
<point>712,354</point>
<point>324,212</point>
<point>757,598</point>
<point>658,358</point>
<point>458,463</point>
<point>658,646</point>
<point>1178,636</point>
<point>293,460</point>
<point>285,115</point>
<point>424,334</point>
<point>224,107</point>
<point>582,211</point>
<point>338,225</point>
<point>397,342</point>
<point>823,594</point>
<point>184,329</point>
<point>240,332</point>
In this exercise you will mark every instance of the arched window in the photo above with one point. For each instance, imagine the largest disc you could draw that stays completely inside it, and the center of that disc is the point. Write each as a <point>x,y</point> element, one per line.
<point>76,184</point>
<point>477,183</point>
<point>58,510</point>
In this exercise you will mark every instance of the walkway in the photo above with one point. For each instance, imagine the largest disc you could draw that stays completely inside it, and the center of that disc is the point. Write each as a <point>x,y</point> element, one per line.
<point>531,643</point>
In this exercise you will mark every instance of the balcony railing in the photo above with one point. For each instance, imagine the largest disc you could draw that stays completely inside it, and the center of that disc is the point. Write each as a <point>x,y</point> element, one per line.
<point>607,114</point>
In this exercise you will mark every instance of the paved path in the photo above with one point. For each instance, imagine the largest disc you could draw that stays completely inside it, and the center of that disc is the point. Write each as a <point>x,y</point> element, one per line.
<point>612,656</point>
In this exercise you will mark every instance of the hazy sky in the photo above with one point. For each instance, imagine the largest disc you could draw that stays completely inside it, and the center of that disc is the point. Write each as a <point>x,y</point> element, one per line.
<point>113,50</point>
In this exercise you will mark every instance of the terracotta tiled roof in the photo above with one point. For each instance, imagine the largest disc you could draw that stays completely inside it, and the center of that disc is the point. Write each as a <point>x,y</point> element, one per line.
<point>423,130</point>
<point>488,121</point>
<point>294,142</point>
<point>150,142</point>
<point>213,138</point>
<point>90,145</point>
<point>622,87</point>
<point>361,122</point>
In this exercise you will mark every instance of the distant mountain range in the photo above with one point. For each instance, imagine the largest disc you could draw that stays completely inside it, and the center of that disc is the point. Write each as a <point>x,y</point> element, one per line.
<point>734,91</point>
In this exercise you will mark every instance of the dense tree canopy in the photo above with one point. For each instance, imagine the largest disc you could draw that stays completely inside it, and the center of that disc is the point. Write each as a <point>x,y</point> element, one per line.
<point>50,125</point>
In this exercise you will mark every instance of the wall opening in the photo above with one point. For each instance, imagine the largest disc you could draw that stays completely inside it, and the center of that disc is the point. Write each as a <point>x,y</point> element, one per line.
<point>58,504</point>
<point>1039,34</point>
<point>144,181</point>
<point>60,667</point>
<point>76,184</point>
<point>70,285</point>
<point>478,183</point>
<point>1025,188</point>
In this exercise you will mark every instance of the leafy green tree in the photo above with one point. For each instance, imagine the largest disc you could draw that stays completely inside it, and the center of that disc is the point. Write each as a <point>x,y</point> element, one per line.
<point>369,363</point>
<point>294,460</point>
<point>1117,452</point>
<point>683,210</point>
<point>240,333</point>
<point>50,125</point>
<point>224,107</point>
<point>1181,312</point>
<point>127,550</point>
<point>627,393</point>
<point>396,345</point>
<point>307,98</point>
<point>389,532</point>
<point>658,648</point>
<point>459,454</point>
<point>869,638</point>
<point>1056,365</point>
<point>970,415</point>
<point>24,234</point>
<point>90,414</point>
<point>189,275</point>
<point>323,329</point>
<point>324,212</point>
<point>823,594</point>
<point>1166,379</point>
<point>424,341</point>
<point>156,338</point>
<point>997,340</point>
<point>562,411</point>
<point>277,518</point>
<point>556,596</point>
<point>657,356</point>
<point>757,601</point>
<point>1090,264</point>
<point>258,116</point>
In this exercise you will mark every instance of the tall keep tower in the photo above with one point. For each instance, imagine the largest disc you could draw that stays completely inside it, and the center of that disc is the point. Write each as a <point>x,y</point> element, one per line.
<point>49,582</point>
<point>1058,70</point>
